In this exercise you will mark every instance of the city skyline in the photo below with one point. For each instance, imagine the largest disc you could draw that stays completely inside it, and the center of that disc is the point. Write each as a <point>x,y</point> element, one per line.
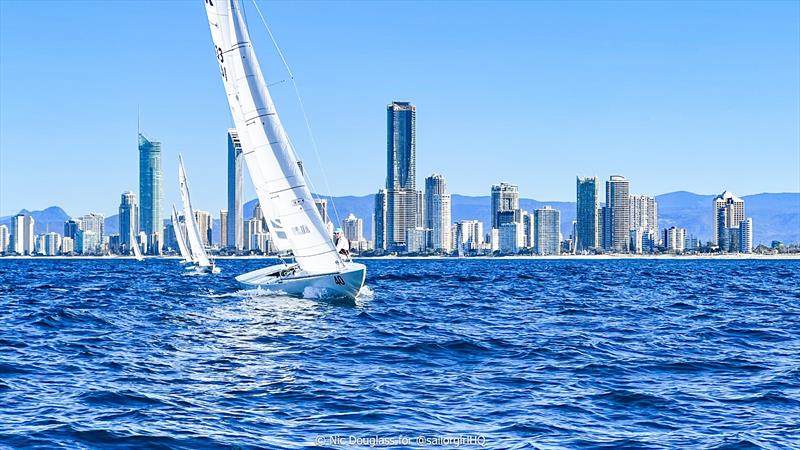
<point>646,107</point>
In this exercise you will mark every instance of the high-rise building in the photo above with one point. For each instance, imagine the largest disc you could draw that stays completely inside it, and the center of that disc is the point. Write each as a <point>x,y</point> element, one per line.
<point>21,237</point>
<point>4,239</point>
<point>675,239</point>
<point>71,228</point>
<point>469,236</point>
<point>52,244</point>
<point>94,224</point>
<point>528,229</point>
<point>235,223</point>
<point>587,214</point>
<point>619,213</point>
<point>746,236</point>
<point>401,145</point>
<point>205,224</point>
<point>416,239</point>
<point>67,246</point>
<point>128,221</point>
<point>379,217</point>
<point>643,212</point>
<point>223,228</point>
<point>437,212</point>
<point>547,231</point>
<point>511,237</point>
<point>353,228</point>
<point>505,204</point>
<point>150,192</point>
<point>728,213</point>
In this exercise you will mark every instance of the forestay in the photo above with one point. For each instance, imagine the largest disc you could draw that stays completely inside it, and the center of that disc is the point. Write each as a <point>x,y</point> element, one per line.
<point>199,256</point>
<point>292,216</point>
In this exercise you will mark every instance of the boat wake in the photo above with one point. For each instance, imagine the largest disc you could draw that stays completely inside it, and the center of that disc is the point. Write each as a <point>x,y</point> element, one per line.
<point>365,293</point>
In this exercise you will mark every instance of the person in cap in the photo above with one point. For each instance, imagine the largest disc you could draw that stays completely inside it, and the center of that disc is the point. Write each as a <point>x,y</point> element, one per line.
<point>342,244</point>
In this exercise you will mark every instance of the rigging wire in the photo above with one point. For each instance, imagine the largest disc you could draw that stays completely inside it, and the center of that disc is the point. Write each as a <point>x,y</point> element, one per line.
<point>305,115</point>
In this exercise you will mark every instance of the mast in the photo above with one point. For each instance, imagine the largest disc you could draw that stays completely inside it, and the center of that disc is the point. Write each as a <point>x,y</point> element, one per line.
<point>176,225</point>
<point>195,243</point>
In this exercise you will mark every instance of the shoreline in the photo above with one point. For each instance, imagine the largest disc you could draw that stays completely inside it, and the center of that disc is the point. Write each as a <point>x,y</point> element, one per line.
<point>725,257</point>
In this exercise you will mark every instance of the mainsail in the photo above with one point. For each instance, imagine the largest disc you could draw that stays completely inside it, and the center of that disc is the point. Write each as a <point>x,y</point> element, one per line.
<point>176,225</point>
<point>292,217</point>
<point>198,251</point>
<point>135,247</point>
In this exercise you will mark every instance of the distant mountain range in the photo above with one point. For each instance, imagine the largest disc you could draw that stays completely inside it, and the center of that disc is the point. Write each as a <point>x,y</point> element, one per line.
<point>775,216</point>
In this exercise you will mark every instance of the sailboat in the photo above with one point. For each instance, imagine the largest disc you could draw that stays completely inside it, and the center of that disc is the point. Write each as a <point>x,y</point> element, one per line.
<point>135,247</point>
<point>294,223</point>
<point>176,225</point>
<point>202,263</point>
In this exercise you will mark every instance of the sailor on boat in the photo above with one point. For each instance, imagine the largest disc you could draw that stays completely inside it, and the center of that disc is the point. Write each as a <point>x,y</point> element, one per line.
<point>342,244</point>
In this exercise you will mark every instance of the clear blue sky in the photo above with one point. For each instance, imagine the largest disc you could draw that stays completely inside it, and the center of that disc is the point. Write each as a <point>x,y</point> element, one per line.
<point>675,96</point>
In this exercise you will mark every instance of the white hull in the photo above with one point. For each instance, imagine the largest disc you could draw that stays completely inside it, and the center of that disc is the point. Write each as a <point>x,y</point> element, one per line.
<point>344,284</point>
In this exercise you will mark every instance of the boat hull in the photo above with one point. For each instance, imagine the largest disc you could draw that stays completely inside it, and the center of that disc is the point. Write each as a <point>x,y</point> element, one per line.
<point>343,284</point>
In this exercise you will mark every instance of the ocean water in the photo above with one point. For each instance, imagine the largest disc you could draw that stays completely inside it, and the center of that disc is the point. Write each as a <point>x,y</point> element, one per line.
<point>510,353</point>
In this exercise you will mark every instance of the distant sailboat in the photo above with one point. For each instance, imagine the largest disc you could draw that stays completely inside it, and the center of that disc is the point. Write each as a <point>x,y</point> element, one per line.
<point>294,222</point>
<point>135,247</point>
<point>176,225</point>
<point>198,251</point>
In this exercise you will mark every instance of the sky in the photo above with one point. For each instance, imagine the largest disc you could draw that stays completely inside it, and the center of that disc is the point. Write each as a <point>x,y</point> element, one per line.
<point>689,96</point>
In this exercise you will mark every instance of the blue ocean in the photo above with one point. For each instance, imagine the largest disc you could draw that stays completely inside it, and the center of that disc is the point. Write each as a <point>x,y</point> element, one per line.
<point>462,353</point>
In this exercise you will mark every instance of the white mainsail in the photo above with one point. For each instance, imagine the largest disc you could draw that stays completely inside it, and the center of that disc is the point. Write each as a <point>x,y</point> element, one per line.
<point>135,247</point>
<point>196,247</point>
<point>293,219</point>
<point>176,225</point>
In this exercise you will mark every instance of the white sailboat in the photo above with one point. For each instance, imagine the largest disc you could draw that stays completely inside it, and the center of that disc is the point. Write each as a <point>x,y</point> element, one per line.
<point>294,222</point>
<point>176,225</point>
<point>198,251</point>
<point>135,247</point>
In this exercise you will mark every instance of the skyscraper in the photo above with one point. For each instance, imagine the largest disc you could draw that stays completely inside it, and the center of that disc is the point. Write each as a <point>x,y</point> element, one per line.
<point>619,209</point>
<point>746,236</point>
<point>353,228</point>
<point>223,228</point>
<point>128,220</point>
<point>437,212</point>
<point>547,231</point>
<point>21,237</point>
<point>150,192</point>
<point>4,239</point>
<point>204,225</point>
<point>92,226</point>
<point>728,213</point>
<point>234,237</point>
<point>401,146</point>
<point>379,219</point>
<point>505,204</point>
<point>587,214</point>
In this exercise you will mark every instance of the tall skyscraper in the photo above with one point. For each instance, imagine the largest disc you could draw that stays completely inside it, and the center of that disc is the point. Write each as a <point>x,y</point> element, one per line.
<point>205,225</point>
<point>90,240</point>
<point>379,219</point>
<point>401,146</point>
<point>728,213</point>
<point>223,228</point>
<point>4,239</point>
<point>234,237</point>
<point>353,228</point>
<point>746,236</point>
<point>587,214</point>
<point>437,212</point>
<point>21,237</point>
<point>128,221</point>
<point>505,204</point>
<point>619,209</point>
<point>150,192</point>
<point>547,231</point>
<point>644,212</point>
